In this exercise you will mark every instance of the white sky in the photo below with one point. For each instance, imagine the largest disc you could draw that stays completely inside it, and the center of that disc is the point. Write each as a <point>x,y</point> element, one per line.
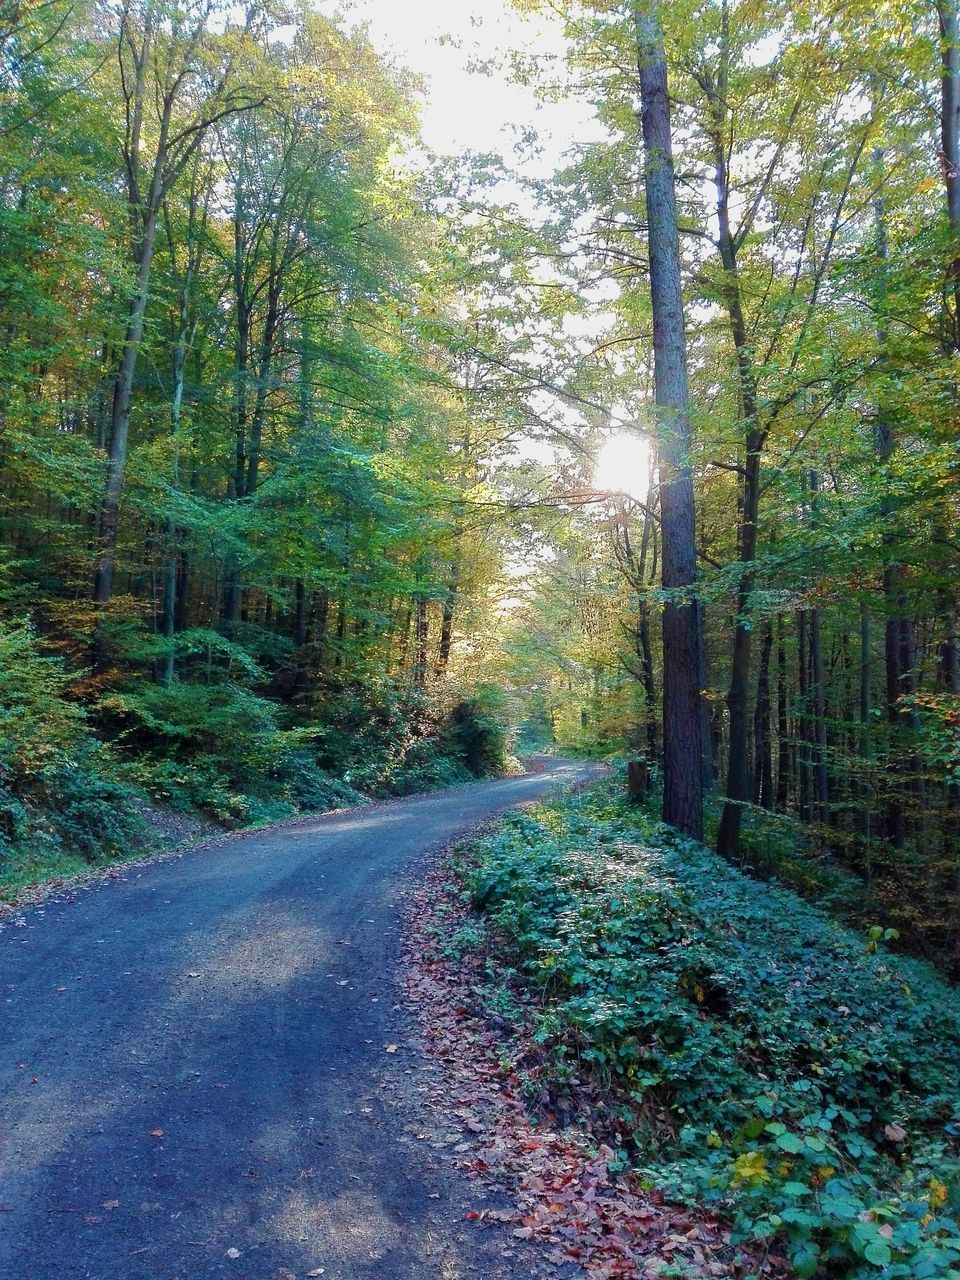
<point>464,109</point>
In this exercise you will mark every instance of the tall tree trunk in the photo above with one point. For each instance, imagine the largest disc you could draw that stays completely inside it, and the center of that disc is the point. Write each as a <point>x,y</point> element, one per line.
<point>120,416</point>
<point>950,147</point>
<point>783,723</point>
<point>864,797</point>
<point>950,151</point>
<point>899,646</point>
<point>804,787</point>
<point>301,613</point>
<point>682,795</point>
<point>738,791</point>
<point>818,692</point>
<point>420,642</point>
<point>762,732</point>
<point>446,619</point>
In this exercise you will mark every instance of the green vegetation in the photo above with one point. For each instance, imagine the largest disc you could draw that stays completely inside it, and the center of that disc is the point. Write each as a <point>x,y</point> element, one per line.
<point>298,504</point>
<point>60,800</point>
<point>299,424</point>
<point>761,1058</point>
<point>238,573</point>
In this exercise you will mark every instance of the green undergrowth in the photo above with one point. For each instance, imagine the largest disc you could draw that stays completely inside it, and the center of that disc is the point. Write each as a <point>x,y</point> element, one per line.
<point>62,807</point>
<point>80,771</point>
<point>762,1059</point>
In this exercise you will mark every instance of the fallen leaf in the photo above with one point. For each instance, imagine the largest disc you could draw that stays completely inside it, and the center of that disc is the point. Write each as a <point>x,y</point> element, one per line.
<point>233,1253</point>
<point>392,1048</point>
<point>156,1133</point>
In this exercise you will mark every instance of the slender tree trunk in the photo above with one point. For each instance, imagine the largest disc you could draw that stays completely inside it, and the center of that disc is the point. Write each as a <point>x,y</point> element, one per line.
<point>865,797</point>
<point>818,692</point>
<point>738,791</point>
<point>420,640</point>
<point>120,417</point>
<point>950,146</point>
<point>682,796</point>
<point>819,718</point>
<point>762,733</point>
<point>446,619</point>
<point>804,787</point>
<point>300,614</point>
<point>950,152</point>
<point>783,723</point>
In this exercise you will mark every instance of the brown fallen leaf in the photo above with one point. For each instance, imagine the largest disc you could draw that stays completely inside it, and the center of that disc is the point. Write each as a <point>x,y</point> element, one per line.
<point>156,1133</point>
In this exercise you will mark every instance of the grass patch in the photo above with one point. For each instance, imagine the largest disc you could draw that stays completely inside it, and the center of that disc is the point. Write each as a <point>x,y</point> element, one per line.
<point>764,1059</point>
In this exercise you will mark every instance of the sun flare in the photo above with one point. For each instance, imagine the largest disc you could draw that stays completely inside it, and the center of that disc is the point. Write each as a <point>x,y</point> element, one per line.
<point>623,466</point>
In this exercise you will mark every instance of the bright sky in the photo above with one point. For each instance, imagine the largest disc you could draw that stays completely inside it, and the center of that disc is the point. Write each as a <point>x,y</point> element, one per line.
<point>465,109</point>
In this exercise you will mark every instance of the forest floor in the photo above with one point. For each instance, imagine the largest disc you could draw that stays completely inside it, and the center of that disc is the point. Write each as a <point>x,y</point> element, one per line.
<point>564,1205</point>
<point>209,1069</point>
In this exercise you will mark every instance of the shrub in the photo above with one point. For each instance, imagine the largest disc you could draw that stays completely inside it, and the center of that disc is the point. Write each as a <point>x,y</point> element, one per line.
<point>220,749</point>
<point>770,1061</point>
<point>56,788</point>
<point>476,733</point>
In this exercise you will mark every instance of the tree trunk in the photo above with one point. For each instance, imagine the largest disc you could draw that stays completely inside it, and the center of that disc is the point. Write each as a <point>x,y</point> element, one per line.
<point>682,795</point>
<point>950,147</point>
<point>818,693</point>
<point>738,792</point>
<point>446,620</point>
<point>783,724</point>
<point>120,417</point>
<point>803,718</point>
<point>762,734</point>
<point>420,641</point>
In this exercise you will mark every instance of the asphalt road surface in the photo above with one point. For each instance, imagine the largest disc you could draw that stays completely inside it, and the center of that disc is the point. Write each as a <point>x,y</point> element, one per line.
<point>194,1079</point>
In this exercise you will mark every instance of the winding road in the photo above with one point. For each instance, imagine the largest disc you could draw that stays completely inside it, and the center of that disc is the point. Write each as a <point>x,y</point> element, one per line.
<point>195,1079</point>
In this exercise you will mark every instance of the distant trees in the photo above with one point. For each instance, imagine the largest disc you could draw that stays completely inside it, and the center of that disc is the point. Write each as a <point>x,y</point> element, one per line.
<point>230,391</point>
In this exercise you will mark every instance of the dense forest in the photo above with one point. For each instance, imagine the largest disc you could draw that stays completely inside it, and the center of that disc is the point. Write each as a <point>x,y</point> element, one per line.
<point>299,428</point>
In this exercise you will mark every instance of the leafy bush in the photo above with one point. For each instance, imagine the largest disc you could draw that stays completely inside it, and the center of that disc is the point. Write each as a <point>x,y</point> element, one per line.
<point>476,733</point>
<point>428,771</point>
<point>769,1060</point>
<point>56,793</point>
<point>389,739</point>
<point>221,749</point>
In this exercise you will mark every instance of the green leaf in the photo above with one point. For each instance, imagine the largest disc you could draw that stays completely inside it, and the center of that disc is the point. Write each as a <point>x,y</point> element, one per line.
<point>790,1142</point>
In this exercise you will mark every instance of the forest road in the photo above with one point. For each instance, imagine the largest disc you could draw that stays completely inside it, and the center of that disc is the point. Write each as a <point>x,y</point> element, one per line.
<point>194,1073</point>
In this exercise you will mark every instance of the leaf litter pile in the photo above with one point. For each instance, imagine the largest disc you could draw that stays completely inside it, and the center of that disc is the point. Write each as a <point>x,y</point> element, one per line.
<point>585,1218</point>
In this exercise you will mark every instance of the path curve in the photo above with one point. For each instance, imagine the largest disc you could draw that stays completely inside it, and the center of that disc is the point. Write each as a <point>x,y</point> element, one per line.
<point>194,1073</point>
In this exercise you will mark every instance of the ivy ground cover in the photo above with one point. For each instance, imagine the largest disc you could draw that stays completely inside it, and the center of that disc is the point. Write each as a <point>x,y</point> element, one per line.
<point>758,1060</point>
